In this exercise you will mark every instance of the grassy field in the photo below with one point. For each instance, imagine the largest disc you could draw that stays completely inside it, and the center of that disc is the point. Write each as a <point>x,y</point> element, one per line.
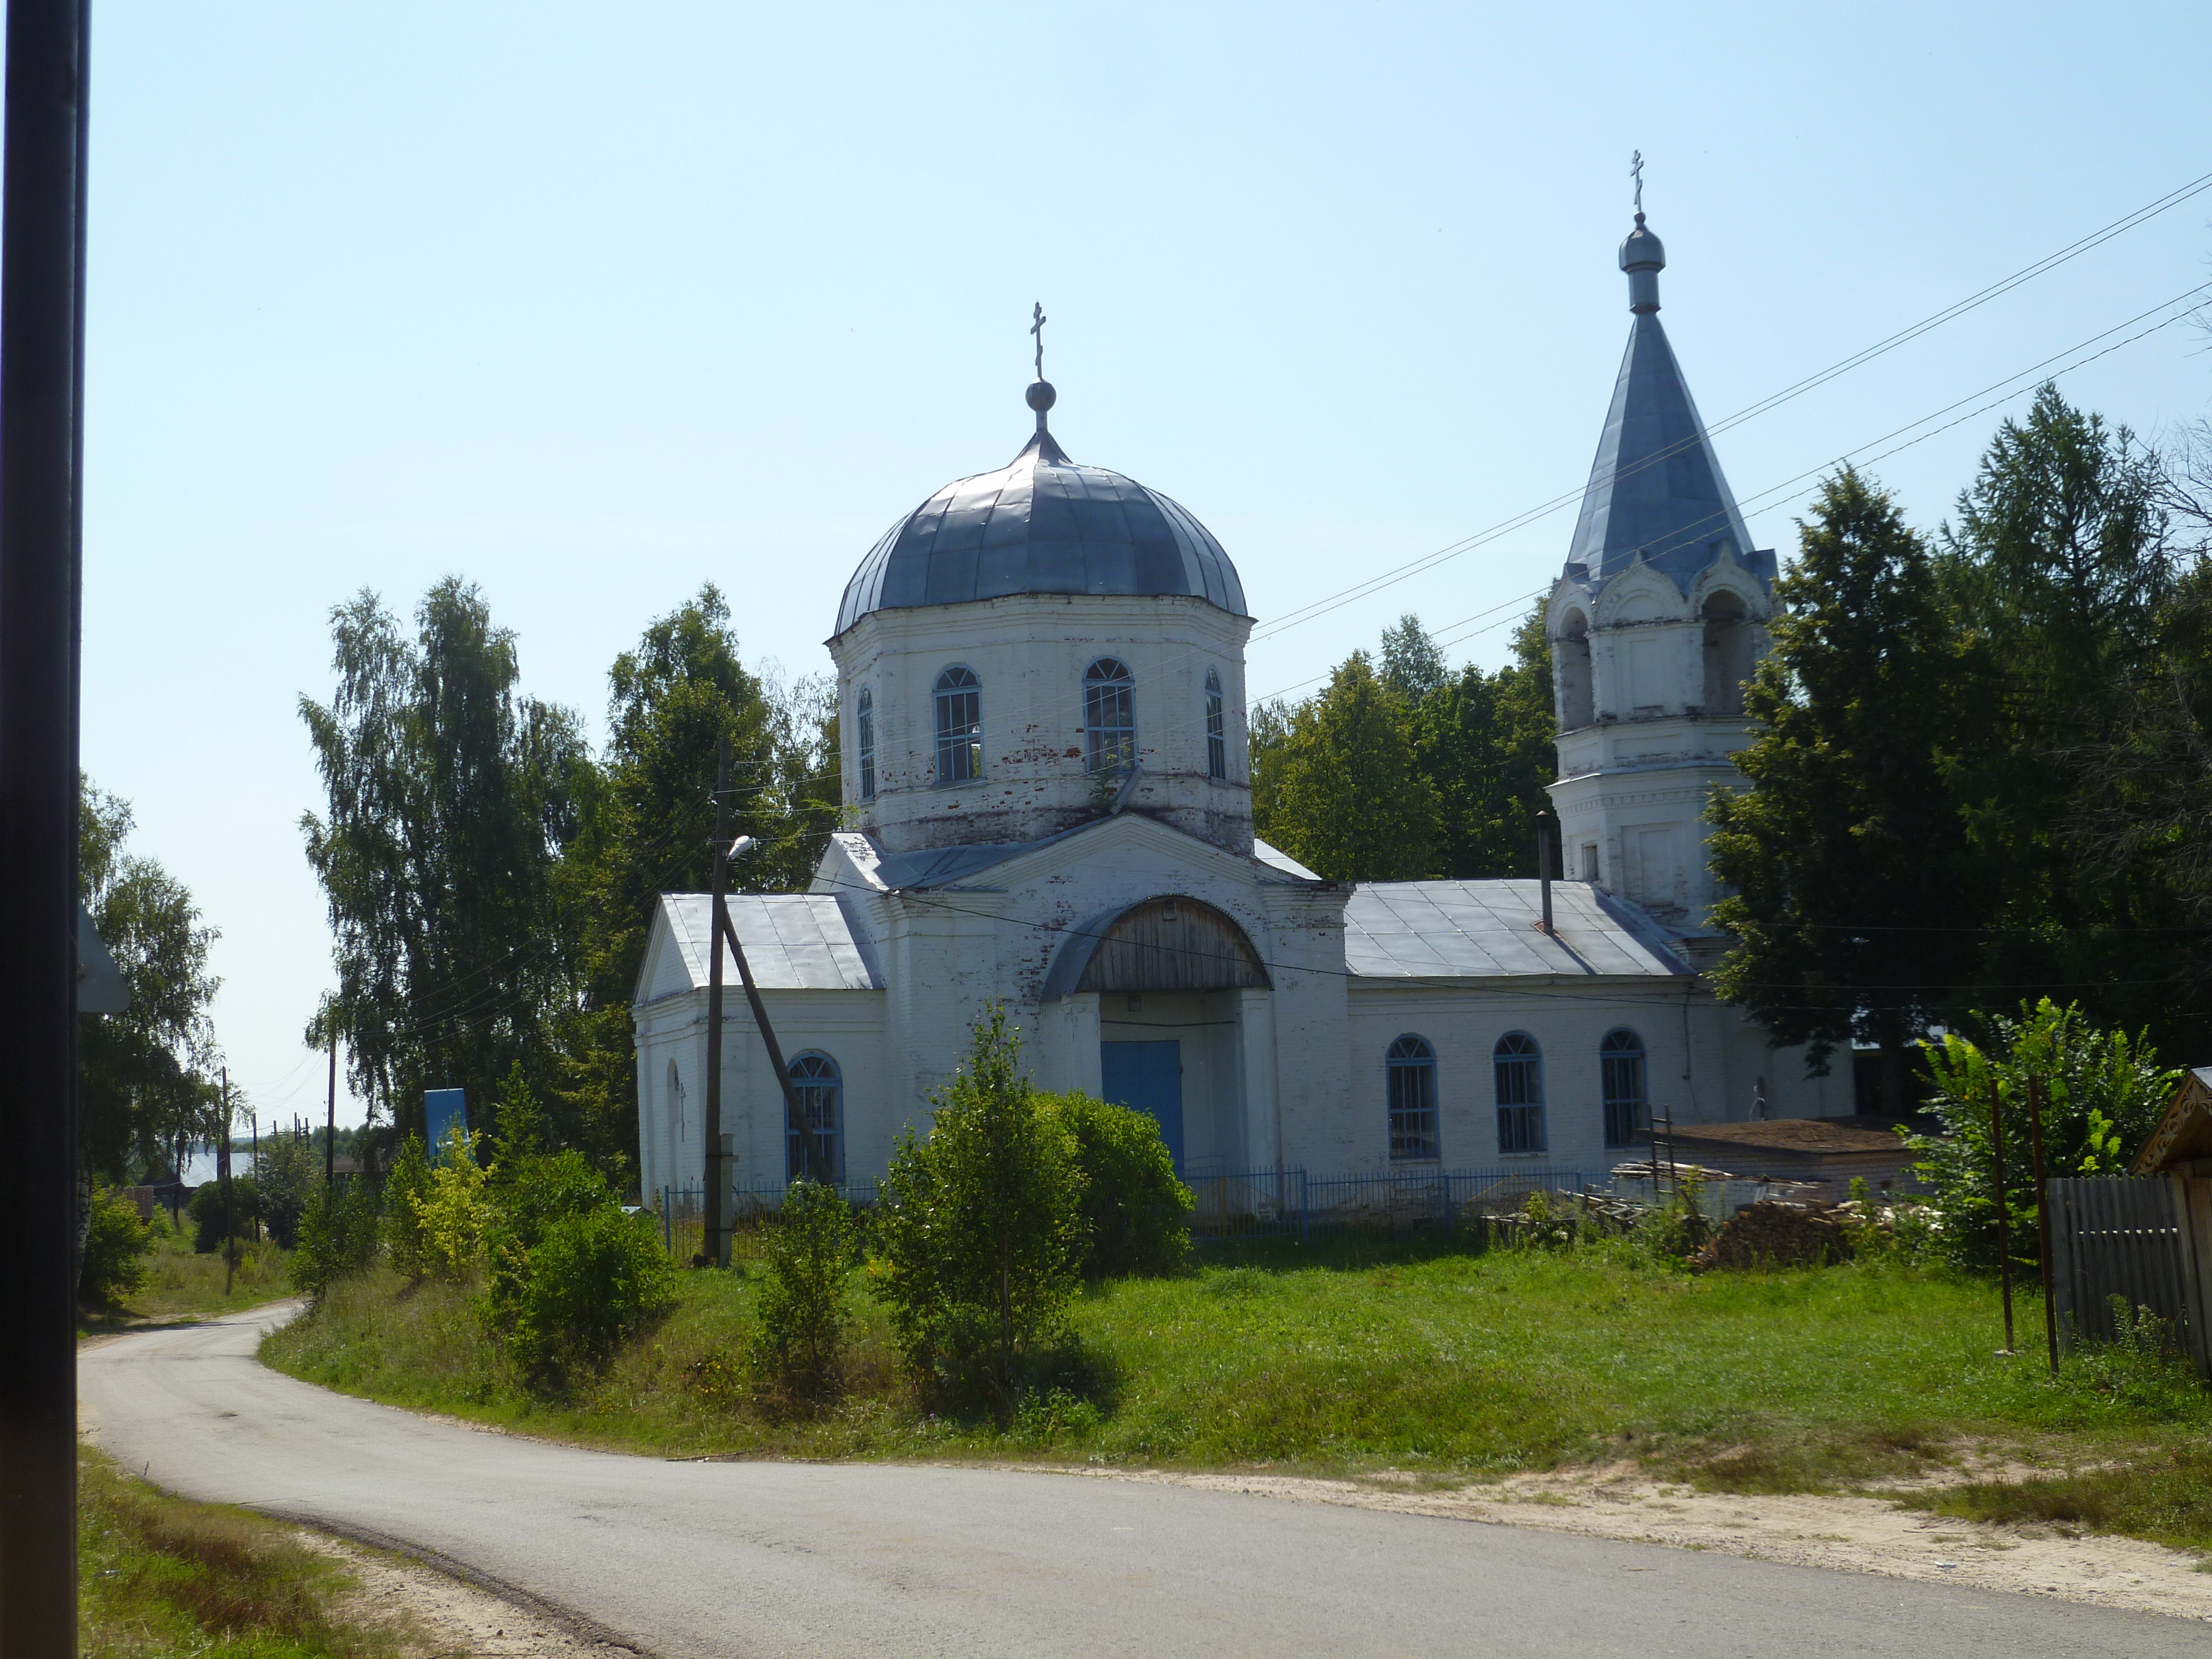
<point>181,1284</point>
<point>159,1576</point>
<point>1350,1361</point>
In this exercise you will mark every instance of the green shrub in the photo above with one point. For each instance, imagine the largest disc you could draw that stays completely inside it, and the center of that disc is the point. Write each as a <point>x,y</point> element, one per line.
<point>799,1345</point>
<point>568,1275</point>
<point>404,1188</point>
<point>2103,1092</point>
<point>1137,1215</point>
<point>337,1237</point>
<point>981,1226</point>
<point>206,1211</point>
<point>593,1280</point>
<point>452,1209</point>
<point>115,1247</point>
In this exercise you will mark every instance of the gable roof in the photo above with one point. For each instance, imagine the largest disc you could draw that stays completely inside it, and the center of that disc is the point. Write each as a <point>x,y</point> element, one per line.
<point>794,942</point>
<point>1429,930</point>
<point>926,867</point>
<point>2184,1133</point>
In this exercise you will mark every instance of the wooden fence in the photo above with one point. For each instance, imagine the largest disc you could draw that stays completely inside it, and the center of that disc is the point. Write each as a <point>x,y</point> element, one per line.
<point>2147,1240</point>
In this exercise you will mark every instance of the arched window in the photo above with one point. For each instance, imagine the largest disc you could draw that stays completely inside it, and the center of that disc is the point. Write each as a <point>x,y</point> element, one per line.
<point>1727,653</point>
<point>1628,1106</point>
<point>1570,662</point>
<point>866,718</point>
<point>1109,715</point>
<point>1217,732</point>
<point>959,726</point>
<point>1520,1065</point>
<point>821,1102</point>
<point>1412,1065</point>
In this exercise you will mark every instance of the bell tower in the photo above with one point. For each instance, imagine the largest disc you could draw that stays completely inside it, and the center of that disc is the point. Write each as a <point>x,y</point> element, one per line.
<point>1657,619</point>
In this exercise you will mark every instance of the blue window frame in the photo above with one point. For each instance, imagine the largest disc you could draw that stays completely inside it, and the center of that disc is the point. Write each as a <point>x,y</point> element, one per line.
<point>1520,1068</point>
<point>1109,715</point>
<point>1412,1066</point>
<point>1217,730</point>
<point>1627,1101</point>
<point>866,718</point>
<point>959,726</point>
<point>821,1094</point>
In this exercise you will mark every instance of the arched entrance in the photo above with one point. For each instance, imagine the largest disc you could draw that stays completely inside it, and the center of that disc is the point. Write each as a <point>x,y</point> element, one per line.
<point>1172,979</point>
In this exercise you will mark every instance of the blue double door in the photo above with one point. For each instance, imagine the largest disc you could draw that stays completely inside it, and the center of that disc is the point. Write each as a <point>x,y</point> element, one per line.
<point>1147,1077</point>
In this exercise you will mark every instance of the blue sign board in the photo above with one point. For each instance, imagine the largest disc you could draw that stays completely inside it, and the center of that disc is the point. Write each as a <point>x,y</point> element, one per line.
<point>443,1109</point>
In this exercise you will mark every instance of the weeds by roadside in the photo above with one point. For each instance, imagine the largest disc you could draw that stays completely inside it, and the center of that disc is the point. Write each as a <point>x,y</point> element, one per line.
<point>181,1284</point>
<point>160,1576</point>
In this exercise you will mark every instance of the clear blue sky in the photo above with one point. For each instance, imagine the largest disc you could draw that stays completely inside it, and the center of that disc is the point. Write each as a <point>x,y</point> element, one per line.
<point>594,304</point>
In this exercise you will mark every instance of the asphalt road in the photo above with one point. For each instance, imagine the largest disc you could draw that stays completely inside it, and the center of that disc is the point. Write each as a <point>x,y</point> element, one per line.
<point>745,1559</point>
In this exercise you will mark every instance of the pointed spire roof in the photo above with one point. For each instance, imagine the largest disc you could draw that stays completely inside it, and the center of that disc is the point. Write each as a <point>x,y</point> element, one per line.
<point>1656,486</point>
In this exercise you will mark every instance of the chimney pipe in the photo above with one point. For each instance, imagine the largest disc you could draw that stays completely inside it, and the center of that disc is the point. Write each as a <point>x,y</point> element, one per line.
<point>1544,863</point>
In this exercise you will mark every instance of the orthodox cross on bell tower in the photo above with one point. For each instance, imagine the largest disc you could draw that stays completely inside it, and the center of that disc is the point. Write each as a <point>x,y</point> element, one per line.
<point>1037,329</point>
<point>1636,171</point>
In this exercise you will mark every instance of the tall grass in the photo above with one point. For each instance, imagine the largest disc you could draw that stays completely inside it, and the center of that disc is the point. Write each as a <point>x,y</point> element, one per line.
<point>181,1284</point>
<point>1346,1359</point>
<point>159,1576</point>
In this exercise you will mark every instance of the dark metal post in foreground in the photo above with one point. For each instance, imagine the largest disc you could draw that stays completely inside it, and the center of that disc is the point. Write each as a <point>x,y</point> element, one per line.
<point>41,394</point>
<point>715,1247</point>
<point>2004,1242</point>
<point>2042,1219</point>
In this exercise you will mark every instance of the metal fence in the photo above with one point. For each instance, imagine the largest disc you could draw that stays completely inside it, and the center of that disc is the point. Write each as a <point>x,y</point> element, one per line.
<point>681,1211</point>
<point>2131,1239</point>
<point>1290,1203</point>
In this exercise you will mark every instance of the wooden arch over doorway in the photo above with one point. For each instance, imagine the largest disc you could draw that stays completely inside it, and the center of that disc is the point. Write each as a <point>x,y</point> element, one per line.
<point>1167,943</point>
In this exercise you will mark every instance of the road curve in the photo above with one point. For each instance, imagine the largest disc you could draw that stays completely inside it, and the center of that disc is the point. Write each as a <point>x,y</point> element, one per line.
<point>776,1558</point>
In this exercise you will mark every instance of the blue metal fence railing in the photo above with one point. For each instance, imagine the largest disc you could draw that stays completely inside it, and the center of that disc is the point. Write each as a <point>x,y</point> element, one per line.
<point>683,1215</point>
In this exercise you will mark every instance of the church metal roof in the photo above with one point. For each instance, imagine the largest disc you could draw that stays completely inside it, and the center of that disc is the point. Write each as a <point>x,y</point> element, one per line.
<point>1442,930</point>
<point>793,941</point>
<point>1657,486</point>
<point>1042,523</point>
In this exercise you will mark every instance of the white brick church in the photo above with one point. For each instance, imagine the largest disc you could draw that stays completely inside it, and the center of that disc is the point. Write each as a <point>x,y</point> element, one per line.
<point>1042,678</point>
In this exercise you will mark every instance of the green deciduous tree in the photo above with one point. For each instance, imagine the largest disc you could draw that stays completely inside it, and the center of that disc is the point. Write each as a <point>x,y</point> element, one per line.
<point>146,1088</point>
<point>2069,594</point>
<point>1345,795</point>
<point>1855,899</point>
<point>646,828</point>
<point>449,799</point>
<point>1486,745</point>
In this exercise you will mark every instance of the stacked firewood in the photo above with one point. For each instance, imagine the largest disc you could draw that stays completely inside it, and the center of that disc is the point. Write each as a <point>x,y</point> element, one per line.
<point>1774,1234</point>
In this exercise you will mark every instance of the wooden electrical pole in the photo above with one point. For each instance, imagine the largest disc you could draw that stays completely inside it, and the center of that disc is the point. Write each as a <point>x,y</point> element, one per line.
<point>715,1245</point>
<point>2004,1245</point>
<point>42,184</point>
<point>794,1120</point>
<point>330,1144</point>
<point>2042,1219</point>
<point>222,1174</point>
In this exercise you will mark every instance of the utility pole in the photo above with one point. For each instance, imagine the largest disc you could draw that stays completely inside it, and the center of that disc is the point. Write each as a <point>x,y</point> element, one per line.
<point>715,1246</point>
<point>222,1174</point>
<point>2042,1219</point>
<point>330,1145</point>
<point>2004,1246</point>
<point>257,1171</point>
<point>42,152</point>
<point>1544,863</point>
<point>794,1120</point>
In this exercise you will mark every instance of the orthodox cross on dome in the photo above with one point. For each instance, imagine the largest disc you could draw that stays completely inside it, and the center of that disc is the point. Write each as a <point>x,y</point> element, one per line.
<point>1636,171</point>
<point>1037,329</point>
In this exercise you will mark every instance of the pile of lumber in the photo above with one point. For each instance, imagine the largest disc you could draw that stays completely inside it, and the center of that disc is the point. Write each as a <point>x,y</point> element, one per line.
<point>1774,1234</point>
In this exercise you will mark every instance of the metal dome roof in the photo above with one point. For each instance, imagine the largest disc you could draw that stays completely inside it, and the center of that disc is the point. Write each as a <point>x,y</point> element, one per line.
<point>1041,524</point>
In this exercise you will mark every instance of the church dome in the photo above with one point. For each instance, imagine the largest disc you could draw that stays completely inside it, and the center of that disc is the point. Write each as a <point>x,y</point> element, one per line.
<point>1042,523</point>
